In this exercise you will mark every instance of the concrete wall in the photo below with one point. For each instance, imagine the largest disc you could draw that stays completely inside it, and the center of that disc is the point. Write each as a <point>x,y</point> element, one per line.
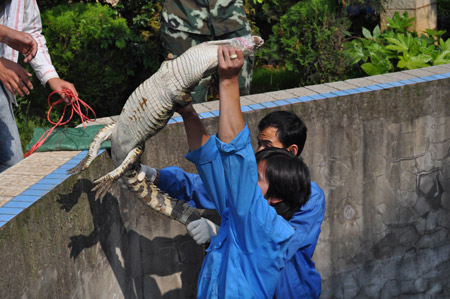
<point>381,155</point>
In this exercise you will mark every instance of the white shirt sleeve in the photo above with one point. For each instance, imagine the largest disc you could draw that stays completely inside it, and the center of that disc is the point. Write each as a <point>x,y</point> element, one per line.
<point>32,24</point>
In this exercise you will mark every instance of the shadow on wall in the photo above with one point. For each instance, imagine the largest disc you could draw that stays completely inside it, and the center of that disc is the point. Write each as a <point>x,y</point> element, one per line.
<point>134,259</point>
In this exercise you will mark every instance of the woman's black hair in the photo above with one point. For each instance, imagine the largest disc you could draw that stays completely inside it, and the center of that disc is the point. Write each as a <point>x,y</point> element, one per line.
<point>288,178</point>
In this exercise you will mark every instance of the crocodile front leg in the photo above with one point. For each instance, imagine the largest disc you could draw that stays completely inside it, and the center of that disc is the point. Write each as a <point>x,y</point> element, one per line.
<point>102,135</point>
<point>104,183</point>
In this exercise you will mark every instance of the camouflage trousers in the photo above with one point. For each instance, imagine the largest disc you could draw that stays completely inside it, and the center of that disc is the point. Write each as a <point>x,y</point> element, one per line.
<point>177,42</point>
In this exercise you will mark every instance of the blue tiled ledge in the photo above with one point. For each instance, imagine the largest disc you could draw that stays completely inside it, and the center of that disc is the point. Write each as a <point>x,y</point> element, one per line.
<point>35,192</point>
<point>320,96</point>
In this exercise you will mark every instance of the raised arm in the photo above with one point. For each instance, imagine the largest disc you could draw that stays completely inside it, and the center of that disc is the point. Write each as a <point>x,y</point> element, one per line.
<point>231,121</point>
<point>195,131</point>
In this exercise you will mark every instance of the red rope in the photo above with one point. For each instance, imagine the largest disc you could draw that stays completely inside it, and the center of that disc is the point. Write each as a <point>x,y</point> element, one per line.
<point>76,104</point>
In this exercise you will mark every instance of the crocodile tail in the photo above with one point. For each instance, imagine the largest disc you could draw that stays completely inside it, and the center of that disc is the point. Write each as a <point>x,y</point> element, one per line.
<point>102,135</point>
<point>158,200</point>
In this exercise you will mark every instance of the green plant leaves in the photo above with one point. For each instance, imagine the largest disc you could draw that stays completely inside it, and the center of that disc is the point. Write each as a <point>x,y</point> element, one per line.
<point>397,48</point>
<point>400,23</point>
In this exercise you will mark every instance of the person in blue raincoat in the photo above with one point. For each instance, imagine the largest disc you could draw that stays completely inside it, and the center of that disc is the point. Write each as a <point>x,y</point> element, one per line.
<point>245,258</point>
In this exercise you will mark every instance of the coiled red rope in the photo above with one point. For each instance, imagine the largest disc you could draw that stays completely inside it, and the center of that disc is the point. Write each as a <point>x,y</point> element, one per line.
<point>76,103</point>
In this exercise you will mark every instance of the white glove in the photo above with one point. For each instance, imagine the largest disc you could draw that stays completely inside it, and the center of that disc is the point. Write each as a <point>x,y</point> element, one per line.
<point>202,230</point>
<point>150,172</point>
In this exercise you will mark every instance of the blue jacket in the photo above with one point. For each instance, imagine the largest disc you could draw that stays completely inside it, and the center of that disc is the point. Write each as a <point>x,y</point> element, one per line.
<point>299,278</point>
<point>245,258</point>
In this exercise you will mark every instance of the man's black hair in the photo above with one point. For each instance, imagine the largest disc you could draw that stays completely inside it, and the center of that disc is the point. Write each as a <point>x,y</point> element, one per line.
<point>288,178</point>
<point>290,128</point>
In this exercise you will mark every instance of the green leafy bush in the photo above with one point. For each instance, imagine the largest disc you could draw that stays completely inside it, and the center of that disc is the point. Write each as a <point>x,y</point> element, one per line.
<point>307,41</point>
<point>397,48</point>
<point>95,49</point>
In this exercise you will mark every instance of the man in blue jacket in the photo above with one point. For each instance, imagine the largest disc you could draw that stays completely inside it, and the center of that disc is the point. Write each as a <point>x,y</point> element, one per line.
<point>283,129</point>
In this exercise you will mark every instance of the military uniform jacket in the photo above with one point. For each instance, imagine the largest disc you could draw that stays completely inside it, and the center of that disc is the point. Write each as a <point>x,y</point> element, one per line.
<point>214,17</point>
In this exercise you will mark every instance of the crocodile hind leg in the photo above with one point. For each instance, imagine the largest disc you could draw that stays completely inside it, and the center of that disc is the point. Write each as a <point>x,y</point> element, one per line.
<point>159,201</point>
<point>104,183</point>
<point>102,135</point>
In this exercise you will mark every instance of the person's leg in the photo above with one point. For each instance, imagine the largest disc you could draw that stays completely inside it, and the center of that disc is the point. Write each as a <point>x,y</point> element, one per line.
<point>10,146</point>
<point>176,43</point>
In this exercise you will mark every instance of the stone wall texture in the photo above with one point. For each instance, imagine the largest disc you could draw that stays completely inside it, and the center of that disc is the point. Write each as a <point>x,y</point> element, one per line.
<point>382,158</point>
<point>424,12</point>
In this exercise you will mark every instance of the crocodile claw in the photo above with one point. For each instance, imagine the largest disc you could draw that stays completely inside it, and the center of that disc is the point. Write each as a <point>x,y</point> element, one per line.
<point>102,185</point>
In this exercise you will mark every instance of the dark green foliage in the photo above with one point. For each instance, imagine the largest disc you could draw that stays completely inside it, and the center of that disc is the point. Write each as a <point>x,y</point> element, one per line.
<point>397,48</point>
<point>307,41</point>
<point>269,79</point>
<point>443,17</point>
<point>95,49</point>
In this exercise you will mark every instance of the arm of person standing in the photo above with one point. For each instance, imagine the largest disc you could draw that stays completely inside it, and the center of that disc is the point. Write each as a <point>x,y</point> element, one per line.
<point>13,76</point>
<point>42,63</point>
<point>20,41</point>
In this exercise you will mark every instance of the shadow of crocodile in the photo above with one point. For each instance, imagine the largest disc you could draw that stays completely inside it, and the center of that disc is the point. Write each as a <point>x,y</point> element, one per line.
<point>134,259</point>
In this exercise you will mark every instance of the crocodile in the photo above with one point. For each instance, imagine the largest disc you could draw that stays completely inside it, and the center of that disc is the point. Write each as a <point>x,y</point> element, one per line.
<point>147,110</point>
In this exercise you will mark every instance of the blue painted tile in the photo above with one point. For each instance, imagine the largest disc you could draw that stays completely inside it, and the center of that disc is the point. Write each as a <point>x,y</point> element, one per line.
<point>256,106</point>
<point>374,87</point>
<point>396,83</point>
<point>339,93</point>
<point>317,96</point>
<point>329,95</point>
<point>439,76</point>
<point>178,119</point>
<point>281,103</point>
<point>34,192</point>
<point>53,181</point>
<point>386,85</point>
<point>417,80</point>
<point>268,104</point>
<point>446,75</point>
<point>407,81</point>
<point>352,91</point>
<point>25,198</point>
<point>428,78</point>
<point>62,170</point>
<point>2,223</point>
<point>65,166</point>
<point>80,156</point>
<point>362,89</point>
<point>18,204</point>
<point>305,99</point>
<point>39,186</point>
<point>215,112</point>
<point>293,100</point>
<point>6,218</point>
<point>57,176</point>
<point>10,211</point>
<point>246,108</point>
<point>171,121</point>
<point>207,114</point>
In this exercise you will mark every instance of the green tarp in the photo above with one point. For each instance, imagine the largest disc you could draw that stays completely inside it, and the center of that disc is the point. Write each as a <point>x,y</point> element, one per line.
<point>67,139</point>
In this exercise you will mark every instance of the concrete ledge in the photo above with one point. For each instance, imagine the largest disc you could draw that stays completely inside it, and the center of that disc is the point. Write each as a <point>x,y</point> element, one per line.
<point>52,165</point>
